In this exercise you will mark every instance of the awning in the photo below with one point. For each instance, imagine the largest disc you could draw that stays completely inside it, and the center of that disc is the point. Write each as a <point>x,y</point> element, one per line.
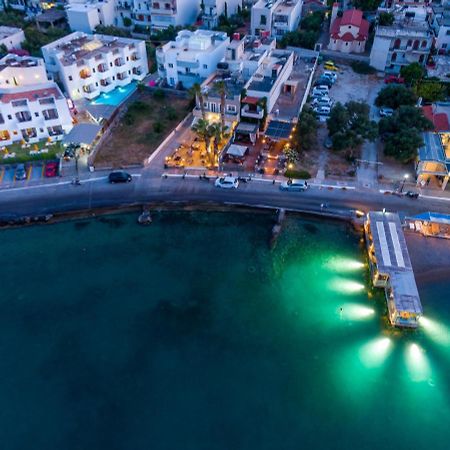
<point>237,150</point>
<point>251,100</point>
<point>247,128</point>
<point>278,130</point>
<point>82,134</point>
<point>101,112</point>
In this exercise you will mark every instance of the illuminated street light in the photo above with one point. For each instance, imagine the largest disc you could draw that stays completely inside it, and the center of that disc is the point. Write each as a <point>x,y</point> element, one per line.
<point>405,177</point>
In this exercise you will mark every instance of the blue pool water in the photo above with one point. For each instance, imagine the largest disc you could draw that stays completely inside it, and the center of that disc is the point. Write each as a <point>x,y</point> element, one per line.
<point>116,96</point>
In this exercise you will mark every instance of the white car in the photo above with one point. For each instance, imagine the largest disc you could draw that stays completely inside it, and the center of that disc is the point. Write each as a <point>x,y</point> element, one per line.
<point>322,101</point>
<point>294,185</point>
<point>322,90</point>
<point>386,112</point>
<point>331,75</point>
<point>227,182</point>
<point>322,110</point>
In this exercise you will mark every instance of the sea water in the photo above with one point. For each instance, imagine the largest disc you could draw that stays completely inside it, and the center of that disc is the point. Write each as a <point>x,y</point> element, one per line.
<point>191,333</point>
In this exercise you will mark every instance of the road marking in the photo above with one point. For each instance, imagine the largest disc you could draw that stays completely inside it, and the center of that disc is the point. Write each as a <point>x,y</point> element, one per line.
<point>446,199</point>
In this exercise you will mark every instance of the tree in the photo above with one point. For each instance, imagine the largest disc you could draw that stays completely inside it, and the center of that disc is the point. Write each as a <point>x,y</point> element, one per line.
<point>394,96</point>
<point>402,133</point>
<point>196,92</point>
<point>385,19</point>
<point>35,39</point>
<point>412,73</point>
<point>291,155</point>
<point>203,131</point>
<point>403,146</point>
<point>349,126</point>
<point>221,88</point>
<point>217,133</point>
<point>111,30</point>
<point>431,91</point>
<point>367,5</point>
<point>306,128</point>
<point>127,22</point>
<point>3,50</point>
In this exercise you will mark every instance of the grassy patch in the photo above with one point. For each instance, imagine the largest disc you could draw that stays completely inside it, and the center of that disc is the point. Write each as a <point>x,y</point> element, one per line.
<point>23,154</point>
<point>301,174</point>
<point>362,68</point>
<point>145,125</point>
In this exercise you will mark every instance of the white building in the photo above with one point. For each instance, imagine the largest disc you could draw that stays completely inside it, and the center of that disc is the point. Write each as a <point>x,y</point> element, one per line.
<point>141,14</point>
<point>440,23</point>
<point>87,15</point>
<point>192,57</point>
<point>408,40</point>
<point>213,9</point>
<point>88,65</point>
<point>275,17</point>
<point>21,71</point>
<point>33,113</point>
<point>165,13</point>
<point>11,37</point>
<point>268,81</point>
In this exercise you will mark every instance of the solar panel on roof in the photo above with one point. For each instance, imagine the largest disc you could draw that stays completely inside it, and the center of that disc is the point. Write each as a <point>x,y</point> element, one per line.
<point>278,130</point>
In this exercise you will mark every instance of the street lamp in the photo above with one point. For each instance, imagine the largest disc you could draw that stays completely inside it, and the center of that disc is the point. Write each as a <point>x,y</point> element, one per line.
<point>405,177</point>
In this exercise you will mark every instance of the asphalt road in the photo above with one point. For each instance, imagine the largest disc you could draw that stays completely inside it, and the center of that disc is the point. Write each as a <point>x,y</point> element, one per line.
<point>147,188</point>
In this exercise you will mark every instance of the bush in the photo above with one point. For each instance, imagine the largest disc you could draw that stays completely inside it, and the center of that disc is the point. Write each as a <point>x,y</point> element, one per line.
<point>293,173</point>
<point>157,127</point>
<point>159,94</point>
<point>128,118</point>
<point>362,68</point>
<point>171,113</point>
<point>138,106</point>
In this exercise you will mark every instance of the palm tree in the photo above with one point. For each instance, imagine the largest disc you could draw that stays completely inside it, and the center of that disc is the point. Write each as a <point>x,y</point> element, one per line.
<point>217,133</point>
<point>196,92</point>
<point>221,88</point>
<point>203,130</point>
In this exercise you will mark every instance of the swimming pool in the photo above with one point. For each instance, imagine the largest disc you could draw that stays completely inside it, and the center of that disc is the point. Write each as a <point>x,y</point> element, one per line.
<point>116,96</point>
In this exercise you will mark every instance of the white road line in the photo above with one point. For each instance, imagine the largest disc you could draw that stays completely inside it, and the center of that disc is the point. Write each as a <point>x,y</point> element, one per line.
<point>446,199</point>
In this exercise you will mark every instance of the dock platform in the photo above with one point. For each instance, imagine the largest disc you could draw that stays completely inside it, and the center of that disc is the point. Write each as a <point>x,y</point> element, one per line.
<point>391,267</point>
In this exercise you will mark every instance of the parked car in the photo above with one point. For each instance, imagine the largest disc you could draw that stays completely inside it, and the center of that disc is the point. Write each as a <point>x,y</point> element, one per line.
<point>386,112</point>
<point>294,185</point>
<point>322,101</point>
<point>227,182</point>
<point>394,79</point>
<point>20,173</point>
<point>321,90</point>
<point>51,169</point>
<point>323,81</point>
<point>119,176</point>
<point>412,194</point>
<point>331,75</point>
<point>319,95</point>
<point>329,65</point>
<point>322,110</point>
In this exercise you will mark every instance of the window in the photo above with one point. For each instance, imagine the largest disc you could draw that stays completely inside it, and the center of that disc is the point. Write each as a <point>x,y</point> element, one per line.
<point>424,44</point>
<point>36,114</point>
<point>231,108</point>
<point>263,20</point>
<point>409,43</point>
<point>397,43</point>
<point>394,56</point>
<point>444,45</point>
<point>9,116</point>
<point>70,78</point>
<point>447,32</point>
<point>170,65</point>
<point>205,66</point>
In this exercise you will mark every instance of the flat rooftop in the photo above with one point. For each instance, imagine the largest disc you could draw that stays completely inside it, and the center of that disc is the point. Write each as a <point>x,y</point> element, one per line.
<point>392,257</point>
<point>8,31</point>
<point>30,92</point>
<point>11,60</point>
<point>233,86</point>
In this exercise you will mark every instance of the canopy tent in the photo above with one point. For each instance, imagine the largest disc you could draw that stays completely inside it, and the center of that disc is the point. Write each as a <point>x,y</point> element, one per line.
<point>248,129</point>
<point>82,134</point>
<point>237,150</point>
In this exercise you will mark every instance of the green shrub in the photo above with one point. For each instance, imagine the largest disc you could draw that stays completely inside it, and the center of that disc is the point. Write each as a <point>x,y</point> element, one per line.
<point>171,113</point>
<point>159,94</point>
<point>293,173</point>
<point>128,118</point>
<point>362,68</point>
<point>157,127</point>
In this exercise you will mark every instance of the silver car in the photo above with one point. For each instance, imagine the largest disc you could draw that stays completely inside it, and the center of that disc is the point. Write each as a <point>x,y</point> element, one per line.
<point>294,185</point>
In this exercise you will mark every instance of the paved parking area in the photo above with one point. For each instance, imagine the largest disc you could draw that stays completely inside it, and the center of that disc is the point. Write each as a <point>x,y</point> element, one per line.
<point>34,175</point>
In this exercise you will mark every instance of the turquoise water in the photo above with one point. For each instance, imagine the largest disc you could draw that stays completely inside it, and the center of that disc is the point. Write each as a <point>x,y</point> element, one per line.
<point>192,334</point>
<point>116,96</point>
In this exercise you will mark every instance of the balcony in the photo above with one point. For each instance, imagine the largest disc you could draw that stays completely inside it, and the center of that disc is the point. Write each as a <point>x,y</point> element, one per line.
<point>29,133</point>
<point>135,57</point>
<point>89,88</point>
<point>105,82</point>
<point>124,5</point>
<point>55,131</point>
<point>122,76</point>
<point>252,111</point>
<point>118,62</point>
<point>137,71</point>
<point>102,68</point>
<point>50,114</point>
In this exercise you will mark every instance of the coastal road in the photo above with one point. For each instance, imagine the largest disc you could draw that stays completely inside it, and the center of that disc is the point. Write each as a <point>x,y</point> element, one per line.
<point>64,197</point>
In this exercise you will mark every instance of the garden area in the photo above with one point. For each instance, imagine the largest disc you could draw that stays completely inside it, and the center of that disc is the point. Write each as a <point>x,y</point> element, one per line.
<point>147,122</point>
<point>22,152</point>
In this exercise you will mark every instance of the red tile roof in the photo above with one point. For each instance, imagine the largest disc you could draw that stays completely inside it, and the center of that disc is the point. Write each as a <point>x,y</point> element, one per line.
<point>31,95</point>
<point>439,120</point>
<point>350,17</point>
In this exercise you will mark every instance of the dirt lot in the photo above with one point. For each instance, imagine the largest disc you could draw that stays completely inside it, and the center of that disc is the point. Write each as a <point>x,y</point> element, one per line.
<point>145,125</point>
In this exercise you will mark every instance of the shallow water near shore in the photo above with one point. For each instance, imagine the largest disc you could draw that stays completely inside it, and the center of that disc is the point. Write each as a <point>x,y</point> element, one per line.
<point>192,334</point>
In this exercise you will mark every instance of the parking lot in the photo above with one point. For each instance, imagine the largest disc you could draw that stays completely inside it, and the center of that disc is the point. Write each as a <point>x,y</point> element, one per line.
<point>34,173</point>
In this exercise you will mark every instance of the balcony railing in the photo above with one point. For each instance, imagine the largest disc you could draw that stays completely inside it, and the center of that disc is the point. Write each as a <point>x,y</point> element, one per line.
<point>23,117</point>
<point>247,111</point>
<point>50,114</point>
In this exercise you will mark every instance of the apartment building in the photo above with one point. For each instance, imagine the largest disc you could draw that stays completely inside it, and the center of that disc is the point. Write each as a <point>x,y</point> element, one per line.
<point>276,17</point>
<point>165,13</point>
<point>440,24</point>
<point>33,112</point>
<point>11,37</point>
<point>21,71</point>
<point>90,64</point>
<point>213,9</point>
<point>192,57</point>
<point>87,15</point>
<point>268,81</point>
<point>408,40</point>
